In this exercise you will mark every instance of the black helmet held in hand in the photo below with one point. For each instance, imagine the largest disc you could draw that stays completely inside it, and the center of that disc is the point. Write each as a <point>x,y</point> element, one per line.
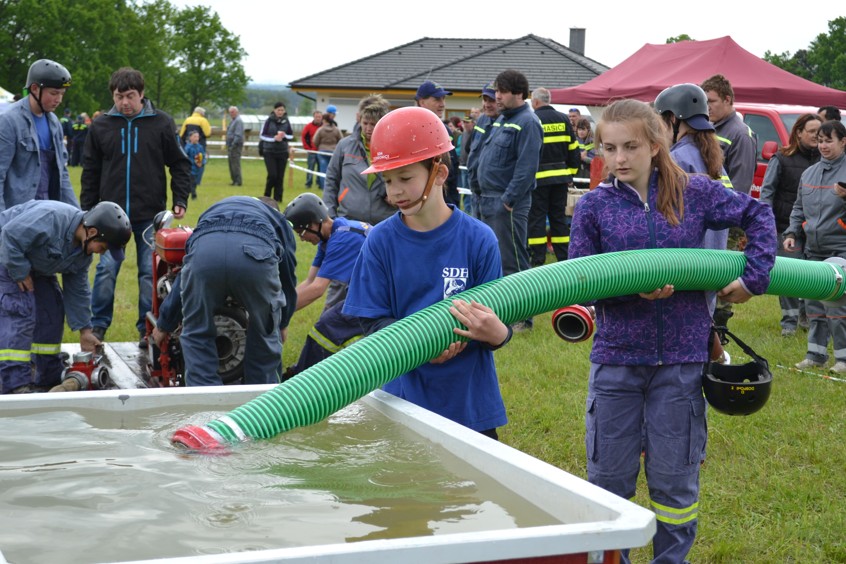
<point>111,223</point>
<point>47,73</point>
<point>304,210</point>
<point>737,389</point>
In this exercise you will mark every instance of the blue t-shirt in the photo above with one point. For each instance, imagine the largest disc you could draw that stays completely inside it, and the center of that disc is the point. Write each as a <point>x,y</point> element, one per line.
<point>401,271</point>
<point>335,258</point>
<point>42,128</point>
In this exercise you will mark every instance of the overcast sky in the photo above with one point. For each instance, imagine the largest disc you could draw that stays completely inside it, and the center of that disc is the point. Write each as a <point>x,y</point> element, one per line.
<point>287,40</point>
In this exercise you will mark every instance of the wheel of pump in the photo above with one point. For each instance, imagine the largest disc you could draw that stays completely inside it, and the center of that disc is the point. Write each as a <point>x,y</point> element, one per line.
<point>231,342</point>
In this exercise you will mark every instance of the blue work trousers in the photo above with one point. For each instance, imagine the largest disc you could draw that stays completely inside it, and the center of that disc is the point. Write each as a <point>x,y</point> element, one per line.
<point>661,410</point>
<point>246,268</point>
<point>31,328</point>
<point>333,331</point>
<point>105,280</point>
<point>511,230</point>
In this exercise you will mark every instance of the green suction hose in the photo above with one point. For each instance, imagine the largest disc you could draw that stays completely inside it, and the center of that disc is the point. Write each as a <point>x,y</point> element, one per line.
<point>369,363</point>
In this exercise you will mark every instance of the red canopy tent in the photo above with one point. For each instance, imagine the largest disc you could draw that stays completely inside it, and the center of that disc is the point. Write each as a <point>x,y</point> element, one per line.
<point>655,67</point>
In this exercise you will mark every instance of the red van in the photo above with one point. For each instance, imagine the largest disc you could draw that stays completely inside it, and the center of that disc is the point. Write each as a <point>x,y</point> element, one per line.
<point>772,124</point>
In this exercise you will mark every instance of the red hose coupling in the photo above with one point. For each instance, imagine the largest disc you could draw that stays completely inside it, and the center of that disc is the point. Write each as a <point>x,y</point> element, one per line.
<point>198,439</point>
<point>573,323</point>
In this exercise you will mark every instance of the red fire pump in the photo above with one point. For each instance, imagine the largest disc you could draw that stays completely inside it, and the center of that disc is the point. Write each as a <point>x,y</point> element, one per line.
<point>165,366</point>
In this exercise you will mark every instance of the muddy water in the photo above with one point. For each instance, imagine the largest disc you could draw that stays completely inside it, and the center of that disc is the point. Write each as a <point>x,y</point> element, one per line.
<point>88,486</point>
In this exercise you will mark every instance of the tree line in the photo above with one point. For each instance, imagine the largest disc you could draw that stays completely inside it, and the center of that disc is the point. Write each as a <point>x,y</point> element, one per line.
<point>823,62</point>
<point>187,56</point>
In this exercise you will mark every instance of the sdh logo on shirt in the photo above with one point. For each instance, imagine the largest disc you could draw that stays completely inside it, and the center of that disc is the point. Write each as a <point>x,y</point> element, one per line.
<point>455,280</point>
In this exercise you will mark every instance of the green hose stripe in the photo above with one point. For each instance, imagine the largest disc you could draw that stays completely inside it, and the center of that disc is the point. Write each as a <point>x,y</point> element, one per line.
<point>370,363</point>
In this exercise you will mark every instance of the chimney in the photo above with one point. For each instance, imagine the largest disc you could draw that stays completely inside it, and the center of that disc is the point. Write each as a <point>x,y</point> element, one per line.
<point>577,40</point>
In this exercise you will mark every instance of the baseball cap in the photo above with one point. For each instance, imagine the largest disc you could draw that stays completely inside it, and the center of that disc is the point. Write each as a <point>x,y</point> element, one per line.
<point>429,88</point>
<point>488,90</point>
<point>700,122</point>
<point>331,109</point>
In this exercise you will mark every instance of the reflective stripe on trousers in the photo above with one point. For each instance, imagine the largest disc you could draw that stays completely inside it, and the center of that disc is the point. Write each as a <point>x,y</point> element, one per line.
<point>31,329</point>
<point>668,401</point>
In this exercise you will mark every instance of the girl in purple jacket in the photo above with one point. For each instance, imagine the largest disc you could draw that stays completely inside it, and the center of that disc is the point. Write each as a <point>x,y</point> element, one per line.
<point>645,385</point>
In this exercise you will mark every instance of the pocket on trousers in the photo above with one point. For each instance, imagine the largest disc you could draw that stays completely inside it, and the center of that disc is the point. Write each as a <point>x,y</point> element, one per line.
<point>698,431</point>
<point>590,428</point>
<point>16,304</point>
<point>259,253</point>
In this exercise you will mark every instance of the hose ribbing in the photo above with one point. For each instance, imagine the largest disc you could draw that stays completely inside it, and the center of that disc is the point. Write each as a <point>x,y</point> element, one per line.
<point>369,363</point>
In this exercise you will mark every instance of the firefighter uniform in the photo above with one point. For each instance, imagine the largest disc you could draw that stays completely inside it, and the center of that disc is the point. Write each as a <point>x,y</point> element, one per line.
<point>559,162</point>
<point>506,168</point>
<point>334,260</point>
<point>37,240</point>
<point>241,248</point>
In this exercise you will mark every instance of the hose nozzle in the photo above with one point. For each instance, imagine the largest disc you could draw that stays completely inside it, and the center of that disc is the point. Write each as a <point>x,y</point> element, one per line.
<point>573,323</point>
<point>199,439</point>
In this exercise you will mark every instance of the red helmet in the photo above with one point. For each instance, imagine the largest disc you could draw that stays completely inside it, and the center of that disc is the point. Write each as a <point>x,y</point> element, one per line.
<point>405,136</point>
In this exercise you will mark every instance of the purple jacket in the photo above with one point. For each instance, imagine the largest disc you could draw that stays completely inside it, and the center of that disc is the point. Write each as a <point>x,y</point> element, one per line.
<point>632,330</point>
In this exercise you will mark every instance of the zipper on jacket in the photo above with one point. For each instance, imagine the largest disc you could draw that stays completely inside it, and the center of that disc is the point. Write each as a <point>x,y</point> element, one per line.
<point>128,160</point>
<point>659,306</point>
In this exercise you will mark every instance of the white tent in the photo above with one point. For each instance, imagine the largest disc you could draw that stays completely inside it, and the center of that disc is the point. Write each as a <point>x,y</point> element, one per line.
<point>6,98</point>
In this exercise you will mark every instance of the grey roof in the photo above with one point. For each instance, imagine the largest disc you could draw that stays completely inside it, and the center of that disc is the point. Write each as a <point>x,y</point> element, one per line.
<point>459,65</point>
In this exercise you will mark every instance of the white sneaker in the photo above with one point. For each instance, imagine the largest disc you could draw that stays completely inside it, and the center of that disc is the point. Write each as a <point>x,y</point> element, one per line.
<point>839,367</point>
<point>808,363</point>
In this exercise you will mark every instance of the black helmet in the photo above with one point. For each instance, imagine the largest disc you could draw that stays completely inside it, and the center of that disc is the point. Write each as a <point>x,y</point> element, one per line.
<point>684,100</point>
<point>304,210</point>
<point>737,389</point>
<point>111,224</point>
<point>51,74</point>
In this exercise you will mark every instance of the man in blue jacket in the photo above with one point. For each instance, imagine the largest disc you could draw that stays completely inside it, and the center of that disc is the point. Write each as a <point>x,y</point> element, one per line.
<point>39,239</point>
<point>32,152</point>
<point>128,152</point>
<point>506,167</point>
<point>241,248</point>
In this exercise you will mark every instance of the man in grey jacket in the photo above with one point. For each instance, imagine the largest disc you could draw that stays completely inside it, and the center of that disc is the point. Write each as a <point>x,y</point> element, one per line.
<point>235,145</point>
<point>346,192</point>
<point>33,158</point>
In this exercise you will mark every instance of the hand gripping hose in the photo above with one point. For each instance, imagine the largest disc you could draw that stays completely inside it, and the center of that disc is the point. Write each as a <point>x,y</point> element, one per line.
<point>369,363</point>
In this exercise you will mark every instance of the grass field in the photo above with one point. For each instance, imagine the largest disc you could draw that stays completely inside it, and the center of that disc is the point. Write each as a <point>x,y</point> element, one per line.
<point>773,485</point>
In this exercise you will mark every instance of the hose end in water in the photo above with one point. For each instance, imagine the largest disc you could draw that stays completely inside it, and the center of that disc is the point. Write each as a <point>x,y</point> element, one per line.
<point>573,323</point>
<point>198,439</point>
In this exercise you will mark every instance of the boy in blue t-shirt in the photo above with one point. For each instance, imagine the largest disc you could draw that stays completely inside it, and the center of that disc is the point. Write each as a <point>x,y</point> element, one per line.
<point>427,252</point>
<point>338,243</point>
<point>198,157</point>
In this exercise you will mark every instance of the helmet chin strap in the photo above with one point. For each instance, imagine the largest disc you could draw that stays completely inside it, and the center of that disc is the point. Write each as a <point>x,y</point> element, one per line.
<point>38,98</point>
<point>431,182</point>
<point>318,232</point>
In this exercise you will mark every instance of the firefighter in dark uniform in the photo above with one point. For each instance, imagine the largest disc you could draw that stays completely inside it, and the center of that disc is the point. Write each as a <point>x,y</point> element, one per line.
<point>338,243</point>
<point>559,162</point>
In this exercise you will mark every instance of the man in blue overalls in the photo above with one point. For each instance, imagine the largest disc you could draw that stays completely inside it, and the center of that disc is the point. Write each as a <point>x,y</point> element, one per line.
<point>338,243</point>
<point>33,158</point>
<point>39,239</point>
<point>241,248</point>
